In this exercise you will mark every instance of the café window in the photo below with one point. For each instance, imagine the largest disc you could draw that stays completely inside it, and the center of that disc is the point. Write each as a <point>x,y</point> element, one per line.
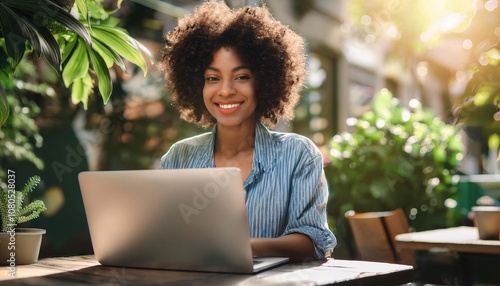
<point>361,90</point>
<point>315,115</point>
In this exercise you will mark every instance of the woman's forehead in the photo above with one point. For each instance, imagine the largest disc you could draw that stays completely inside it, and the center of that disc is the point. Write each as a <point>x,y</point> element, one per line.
<point>228,56</point>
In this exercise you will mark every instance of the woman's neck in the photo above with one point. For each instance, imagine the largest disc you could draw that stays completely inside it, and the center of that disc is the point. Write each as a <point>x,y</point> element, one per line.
<point>231,141</point>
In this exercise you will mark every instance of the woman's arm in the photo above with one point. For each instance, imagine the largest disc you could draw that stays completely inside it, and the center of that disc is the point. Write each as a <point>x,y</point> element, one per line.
<point>308,200</point>
<point>297,246</point>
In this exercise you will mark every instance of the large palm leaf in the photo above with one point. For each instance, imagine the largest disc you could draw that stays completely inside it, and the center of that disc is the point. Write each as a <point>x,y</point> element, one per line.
<point>23,21</point>
<point>110,45</point>
<point>85,50</point>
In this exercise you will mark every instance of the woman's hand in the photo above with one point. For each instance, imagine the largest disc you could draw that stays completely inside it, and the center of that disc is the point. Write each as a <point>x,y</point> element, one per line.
<point>296,246</point>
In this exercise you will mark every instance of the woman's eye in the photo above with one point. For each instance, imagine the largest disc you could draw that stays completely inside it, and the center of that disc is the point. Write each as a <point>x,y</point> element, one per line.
<point>211,78</point>
<point>243,77</point>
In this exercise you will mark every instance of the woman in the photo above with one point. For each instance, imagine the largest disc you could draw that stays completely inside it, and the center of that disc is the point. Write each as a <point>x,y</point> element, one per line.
<point>241,71</point>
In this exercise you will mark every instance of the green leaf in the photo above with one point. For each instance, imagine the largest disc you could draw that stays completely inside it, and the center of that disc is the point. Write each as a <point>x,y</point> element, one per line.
<point>30,185</point>
<point>51,10</point>
<point>15,40</point>
<point>83,8</point>
<point>96,10</point>
<point>124,35</point>
<point>6,71</point>
<point>33,210</point>
<point>117,41</point>
<point>439,154</point>
<point>81,90</point>
<point>494,141</point>
<point>77,65</point>
<point>109,56</point>
<point>68,48</point>
<point>118,60</point>
<point>104,53</point>
<point>44,43</point>
<point>109,22</point>
<point>484,95</point>
<point>382,104</point>
<point>493,56</point>
<point>140,47</point>
<point>103,77</point>
<point>4,106</point>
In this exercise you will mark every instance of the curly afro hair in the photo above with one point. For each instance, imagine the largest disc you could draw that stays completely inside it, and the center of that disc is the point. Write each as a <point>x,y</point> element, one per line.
<point>274,52</point>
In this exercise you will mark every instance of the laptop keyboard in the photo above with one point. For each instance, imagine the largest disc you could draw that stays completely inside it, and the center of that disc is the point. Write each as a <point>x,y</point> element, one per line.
<point>256,262</point>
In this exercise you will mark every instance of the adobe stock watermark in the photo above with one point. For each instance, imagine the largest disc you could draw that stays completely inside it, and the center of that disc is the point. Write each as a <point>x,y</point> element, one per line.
<point>75,155</point>
<point>11,214</point>
<point>211,190</point>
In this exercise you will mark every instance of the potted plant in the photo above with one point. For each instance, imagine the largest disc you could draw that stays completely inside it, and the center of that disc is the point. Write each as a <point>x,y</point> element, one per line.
<point>19,245</point>
<point>396,157</point>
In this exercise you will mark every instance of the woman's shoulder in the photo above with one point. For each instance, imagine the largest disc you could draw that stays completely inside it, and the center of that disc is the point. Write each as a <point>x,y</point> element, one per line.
<point>297,143</point>
<point>194,141</point>
<point>182,152</point>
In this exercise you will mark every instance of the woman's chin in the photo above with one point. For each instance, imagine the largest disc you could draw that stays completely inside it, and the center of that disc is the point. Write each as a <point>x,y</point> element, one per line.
<point>235,122</point>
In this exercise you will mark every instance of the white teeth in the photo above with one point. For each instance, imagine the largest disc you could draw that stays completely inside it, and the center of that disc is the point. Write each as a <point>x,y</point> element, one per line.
<point>227,106</point>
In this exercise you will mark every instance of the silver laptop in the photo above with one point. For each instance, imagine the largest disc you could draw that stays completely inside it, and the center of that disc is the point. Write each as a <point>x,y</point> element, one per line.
<point>185,219</point>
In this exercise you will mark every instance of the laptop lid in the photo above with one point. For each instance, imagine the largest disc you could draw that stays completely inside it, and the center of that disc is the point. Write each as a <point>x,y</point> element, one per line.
<point>185,219</point>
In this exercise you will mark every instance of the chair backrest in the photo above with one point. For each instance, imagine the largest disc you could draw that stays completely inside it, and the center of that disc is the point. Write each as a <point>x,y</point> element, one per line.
<point>374,234</point>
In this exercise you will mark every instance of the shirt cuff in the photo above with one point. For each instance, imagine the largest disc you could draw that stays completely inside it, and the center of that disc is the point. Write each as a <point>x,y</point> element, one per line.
<point>323,240</point>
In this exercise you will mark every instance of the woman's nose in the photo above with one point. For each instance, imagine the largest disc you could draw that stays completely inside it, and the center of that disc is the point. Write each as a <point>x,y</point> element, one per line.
<point>227,88</point>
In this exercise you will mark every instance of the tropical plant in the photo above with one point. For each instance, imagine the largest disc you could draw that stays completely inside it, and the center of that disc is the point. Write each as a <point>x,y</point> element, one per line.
<point>11,205</point>
<point>82,49</point>
<point>479,106</point>
<point>20,135</point>
<point>395,158</point>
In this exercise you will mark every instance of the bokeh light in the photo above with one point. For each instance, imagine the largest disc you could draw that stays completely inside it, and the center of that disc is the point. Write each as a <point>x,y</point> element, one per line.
<point>467,44</point>
<point>491,5</point>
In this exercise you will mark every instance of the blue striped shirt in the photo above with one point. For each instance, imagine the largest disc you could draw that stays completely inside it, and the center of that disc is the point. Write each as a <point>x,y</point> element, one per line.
<point>286,192</point>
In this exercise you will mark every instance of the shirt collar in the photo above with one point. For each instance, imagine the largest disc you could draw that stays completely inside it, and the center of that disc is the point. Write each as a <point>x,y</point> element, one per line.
<point>209,161</point>
<point>263,149</point>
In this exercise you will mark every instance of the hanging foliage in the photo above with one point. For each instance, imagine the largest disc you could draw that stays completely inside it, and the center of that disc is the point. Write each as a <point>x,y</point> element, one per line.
<point>82,49</point>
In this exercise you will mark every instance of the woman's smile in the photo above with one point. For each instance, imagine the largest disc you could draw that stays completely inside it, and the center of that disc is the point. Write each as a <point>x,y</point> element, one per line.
<point>228,108</point>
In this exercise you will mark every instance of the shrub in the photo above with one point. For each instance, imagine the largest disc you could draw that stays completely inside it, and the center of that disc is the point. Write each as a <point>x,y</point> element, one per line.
<point>395,158</point>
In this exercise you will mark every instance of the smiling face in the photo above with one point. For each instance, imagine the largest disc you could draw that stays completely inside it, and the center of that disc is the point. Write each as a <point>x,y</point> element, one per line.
<point>229,90</point>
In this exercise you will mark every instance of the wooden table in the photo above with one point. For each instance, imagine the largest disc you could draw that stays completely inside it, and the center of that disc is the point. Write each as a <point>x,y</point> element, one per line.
<point>479,259</point>
<point>86,270</point>
<point>459,239</point>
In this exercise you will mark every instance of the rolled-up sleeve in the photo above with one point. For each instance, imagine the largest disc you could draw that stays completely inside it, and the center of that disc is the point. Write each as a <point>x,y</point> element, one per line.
<point>307,209</point>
